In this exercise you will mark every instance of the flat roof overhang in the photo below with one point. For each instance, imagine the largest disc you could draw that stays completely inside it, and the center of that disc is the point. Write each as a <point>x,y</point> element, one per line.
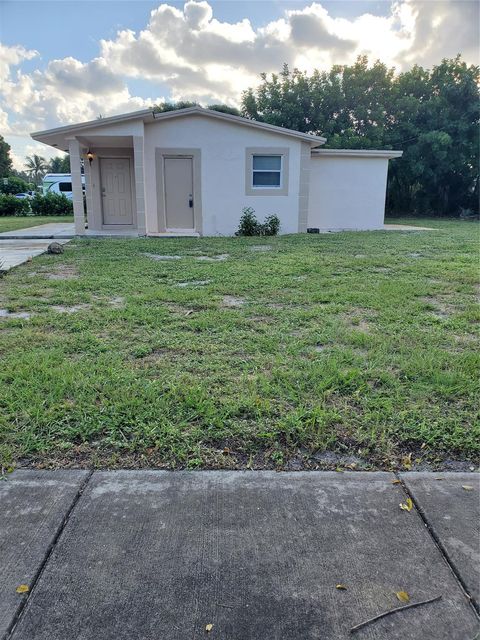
<point>356,153</point>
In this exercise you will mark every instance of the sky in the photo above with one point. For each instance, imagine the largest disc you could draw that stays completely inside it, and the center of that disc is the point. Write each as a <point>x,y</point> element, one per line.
<point>69,61</point>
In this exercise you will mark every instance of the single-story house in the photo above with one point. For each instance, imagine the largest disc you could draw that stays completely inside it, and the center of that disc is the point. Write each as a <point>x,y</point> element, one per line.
<point>192,171</point>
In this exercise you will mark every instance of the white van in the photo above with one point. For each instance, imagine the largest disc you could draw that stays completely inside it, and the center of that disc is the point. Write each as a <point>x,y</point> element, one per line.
<point>59,183</point>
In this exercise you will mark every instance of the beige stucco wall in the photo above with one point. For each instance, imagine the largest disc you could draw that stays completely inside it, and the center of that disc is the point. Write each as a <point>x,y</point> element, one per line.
<point>222,146</point>
<point>347,192</point>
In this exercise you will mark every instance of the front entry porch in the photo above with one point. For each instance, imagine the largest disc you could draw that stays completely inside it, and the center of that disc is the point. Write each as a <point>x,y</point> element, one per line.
<point>114,185</point>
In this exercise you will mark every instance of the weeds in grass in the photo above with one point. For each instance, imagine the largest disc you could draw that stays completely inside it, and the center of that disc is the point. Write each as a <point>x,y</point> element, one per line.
<point>277,359</point>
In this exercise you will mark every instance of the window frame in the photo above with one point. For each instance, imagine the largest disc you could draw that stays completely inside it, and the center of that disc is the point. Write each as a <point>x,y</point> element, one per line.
<point>266,190</point>
<point>279,171</point>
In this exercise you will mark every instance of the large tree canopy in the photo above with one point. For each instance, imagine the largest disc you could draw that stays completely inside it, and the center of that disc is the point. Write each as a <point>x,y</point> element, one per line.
<point>432,115</point>
<point>5,159</point>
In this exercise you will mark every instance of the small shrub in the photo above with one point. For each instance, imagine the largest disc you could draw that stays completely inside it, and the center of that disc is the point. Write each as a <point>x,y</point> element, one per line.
<point>11,206</point>
<point>51,204</point>
<point>249,225</point>
<point>271,226</point>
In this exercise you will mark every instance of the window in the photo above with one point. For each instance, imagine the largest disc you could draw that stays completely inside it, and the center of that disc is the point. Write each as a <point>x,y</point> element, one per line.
<point>65,186</point>
<point>266,171</point>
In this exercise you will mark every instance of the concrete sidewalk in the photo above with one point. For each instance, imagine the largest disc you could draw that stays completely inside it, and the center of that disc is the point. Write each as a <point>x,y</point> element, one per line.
<point>50,230</point>
<point>150,555</point>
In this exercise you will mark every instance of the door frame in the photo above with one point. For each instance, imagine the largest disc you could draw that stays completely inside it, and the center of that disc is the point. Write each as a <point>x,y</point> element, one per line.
<point>196,156</point>
<point>113,156</point>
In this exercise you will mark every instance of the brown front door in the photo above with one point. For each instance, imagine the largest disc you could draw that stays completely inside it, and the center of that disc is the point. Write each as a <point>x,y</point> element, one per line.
<point>179,205</point>
<point>116,191</point>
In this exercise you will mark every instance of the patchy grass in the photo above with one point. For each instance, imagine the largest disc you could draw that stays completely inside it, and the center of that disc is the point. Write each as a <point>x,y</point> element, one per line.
<point>12,223</point>
<point>320,350</point>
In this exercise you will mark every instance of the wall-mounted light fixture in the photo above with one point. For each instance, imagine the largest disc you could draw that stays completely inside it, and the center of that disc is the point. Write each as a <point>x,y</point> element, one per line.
<point>90,156</point>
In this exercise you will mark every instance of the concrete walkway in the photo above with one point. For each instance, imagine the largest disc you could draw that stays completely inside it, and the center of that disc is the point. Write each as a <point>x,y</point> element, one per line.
<point>160,555</point>
<point>15,252</point>
<point>17,247</point>
<point>406,227</point>
<point>42,231</point>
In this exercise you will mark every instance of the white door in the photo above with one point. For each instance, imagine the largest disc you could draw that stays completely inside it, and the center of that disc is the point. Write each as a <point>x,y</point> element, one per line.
<point>179,212</point>
<point>116,191</point>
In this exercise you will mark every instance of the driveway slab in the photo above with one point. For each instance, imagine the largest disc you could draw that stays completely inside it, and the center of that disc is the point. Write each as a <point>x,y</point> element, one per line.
<point>450,503</point>
<point>33,505</point>
<point>258,555</point>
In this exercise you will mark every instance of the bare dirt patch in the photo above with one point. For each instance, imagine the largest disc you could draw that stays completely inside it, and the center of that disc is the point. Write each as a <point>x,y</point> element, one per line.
<point>118,301</point>
<point>63,272</point>
<point>60,308</point>
<point>155,256</point>
<point>262,319</point>
<point>440,308</point>
<point>232,301</point>
<point>157,356</point>
<point>359,319</point>
<point>24,315</point>
<point>219,258</point>
<point>193,283</point>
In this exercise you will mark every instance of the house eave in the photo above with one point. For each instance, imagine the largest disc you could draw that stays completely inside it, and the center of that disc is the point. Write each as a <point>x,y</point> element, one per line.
<point>53,137</point>
<point>357,153</point>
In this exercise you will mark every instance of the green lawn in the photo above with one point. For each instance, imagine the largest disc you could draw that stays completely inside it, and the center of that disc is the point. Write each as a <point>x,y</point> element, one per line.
<point>11,223</point>
<point>320,347</point>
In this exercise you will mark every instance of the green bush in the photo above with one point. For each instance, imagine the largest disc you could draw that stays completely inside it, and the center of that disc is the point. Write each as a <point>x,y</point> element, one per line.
<point>11,206</point>
<point>15,185</point>
<point>249,225</point>
<point>271,226</point>
<point>51,204</point>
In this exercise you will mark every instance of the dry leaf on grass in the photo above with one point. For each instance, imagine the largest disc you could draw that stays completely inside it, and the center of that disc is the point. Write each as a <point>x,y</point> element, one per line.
<point>341,587</point>
<point>208,627</point>
<point>22,588</point>
<point>406,506</point>
<point>403,596</point>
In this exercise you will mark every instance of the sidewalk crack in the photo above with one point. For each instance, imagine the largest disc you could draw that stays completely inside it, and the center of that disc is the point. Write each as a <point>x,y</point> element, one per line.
<point>21,608</point>
<point>443,551</point>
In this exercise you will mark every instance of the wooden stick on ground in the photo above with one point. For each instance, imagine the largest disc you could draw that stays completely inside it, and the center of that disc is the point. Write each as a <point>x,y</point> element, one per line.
<point>387,613</point>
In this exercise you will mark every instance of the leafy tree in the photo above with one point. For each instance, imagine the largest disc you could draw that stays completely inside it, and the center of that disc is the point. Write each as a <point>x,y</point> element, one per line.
<point>182,104</point>
<point>5,159</point>
<point>173,106</point>
<point>224,108</point>
<point>36,166</point>
<point>432,115</point>
<point>59,165</point>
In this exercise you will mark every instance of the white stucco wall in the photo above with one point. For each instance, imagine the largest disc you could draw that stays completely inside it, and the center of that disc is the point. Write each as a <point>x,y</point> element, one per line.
<point>347,192</point>
<point>222,147</point>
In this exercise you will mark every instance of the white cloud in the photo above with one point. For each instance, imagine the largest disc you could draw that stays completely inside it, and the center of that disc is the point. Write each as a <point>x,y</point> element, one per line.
<point>199,57</point>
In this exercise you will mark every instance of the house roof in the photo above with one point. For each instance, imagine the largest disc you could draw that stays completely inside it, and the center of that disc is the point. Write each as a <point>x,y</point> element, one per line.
<point>59,136</point>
